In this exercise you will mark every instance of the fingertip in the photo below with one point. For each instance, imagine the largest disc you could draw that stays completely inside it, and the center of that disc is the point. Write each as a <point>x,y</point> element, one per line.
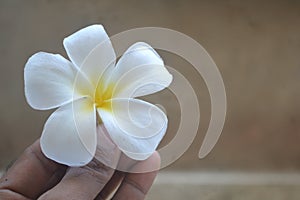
<point>155,159</point>
<point>152,164</point>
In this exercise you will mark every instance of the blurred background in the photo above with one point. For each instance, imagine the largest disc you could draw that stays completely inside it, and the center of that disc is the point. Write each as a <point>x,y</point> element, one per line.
<point>255,44</point>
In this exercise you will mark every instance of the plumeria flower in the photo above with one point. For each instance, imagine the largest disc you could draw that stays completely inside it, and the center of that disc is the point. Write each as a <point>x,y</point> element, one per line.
<point>92,90</point>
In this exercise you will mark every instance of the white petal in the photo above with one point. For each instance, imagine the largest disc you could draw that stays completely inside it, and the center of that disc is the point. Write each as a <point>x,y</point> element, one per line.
<point>49,81</point>
<point>140,71</point>
<point>80,48</point>
<point>134,125</point>
<point>69,135</point>
<point>100,61</point>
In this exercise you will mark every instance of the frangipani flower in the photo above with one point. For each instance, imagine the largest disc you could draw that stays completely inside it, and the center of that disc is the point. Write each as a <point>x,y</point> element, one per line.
<point>92,89</point>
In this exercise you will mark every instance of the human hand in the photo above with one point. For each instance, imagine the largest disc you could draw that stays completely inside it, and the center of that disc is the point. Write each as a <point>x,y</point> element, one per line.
<point>33,176</point>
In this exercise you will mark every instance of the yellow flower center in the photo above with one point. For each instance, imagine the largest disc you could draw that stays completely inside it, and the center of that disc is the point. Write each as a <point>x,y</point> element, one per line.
<point>103,95</point>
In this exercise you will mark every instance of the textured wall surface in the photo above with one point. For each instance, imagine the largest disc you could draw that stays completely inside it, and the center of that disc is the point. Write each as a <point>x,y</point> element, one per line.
<point>256,45</point>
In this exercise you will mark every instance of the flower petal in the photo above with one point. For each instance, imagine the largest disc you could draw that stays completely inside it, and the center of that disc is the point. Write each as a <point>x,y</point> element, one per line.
<point>134,125</point>
<point>49,81</point>
<point>69,135</point>
<point>81,49</point>
<point>140,71</point>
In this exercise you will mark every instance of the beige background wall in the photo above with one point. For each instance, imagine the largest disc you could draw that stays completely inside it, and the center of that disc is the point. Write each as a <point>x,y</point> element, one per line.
<point>256,45</point>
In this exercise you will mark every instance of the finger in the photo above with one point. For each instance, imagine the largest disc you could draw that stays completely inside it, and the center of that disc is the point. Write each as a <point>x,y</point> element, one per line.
<point>32,173</point>
<point>55,179</point>
<point>87,181</point>
<point>125,165</point>
<point>8,194</point>
<point>136,185</point>
<point>81,183</point>
<point>111,186</point>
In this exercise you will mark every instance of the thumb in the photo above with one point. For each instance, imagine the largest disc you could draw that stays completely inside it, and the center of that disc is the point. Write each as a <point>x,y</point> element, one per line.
<point>87,181</point>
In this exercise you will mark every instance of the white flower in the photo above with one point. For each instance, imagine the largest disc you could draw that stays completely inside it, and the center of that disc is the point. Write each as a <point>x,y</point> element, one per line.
<point>91,90</point>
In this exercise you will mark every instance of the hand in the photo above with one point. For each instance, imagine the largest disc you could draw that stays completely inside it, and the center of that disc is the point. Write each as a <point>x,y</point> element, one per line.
<point>33,176</point>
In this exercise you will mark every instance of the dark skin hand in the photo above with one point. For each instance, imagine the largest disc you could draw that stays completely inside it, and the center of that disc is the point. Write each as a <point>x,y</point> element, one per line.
<point>33,176</point>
